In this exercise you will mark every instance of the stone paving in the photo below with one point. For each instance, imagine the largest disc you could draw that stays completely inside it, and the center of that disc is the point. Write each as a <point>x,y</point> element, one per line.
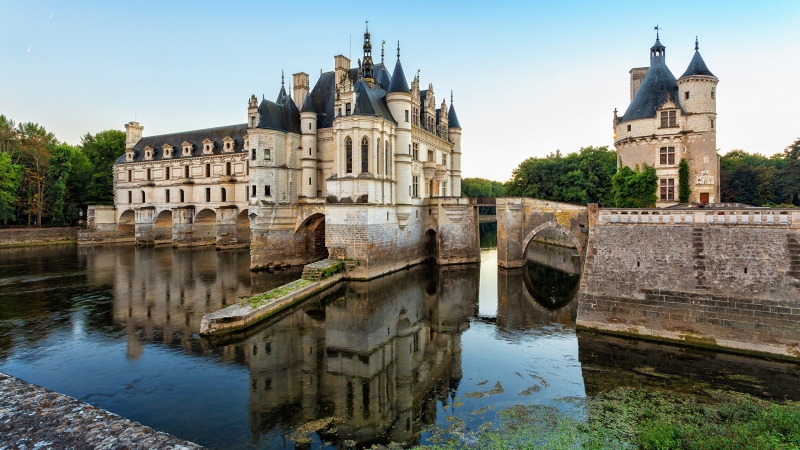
<point>32,417</point>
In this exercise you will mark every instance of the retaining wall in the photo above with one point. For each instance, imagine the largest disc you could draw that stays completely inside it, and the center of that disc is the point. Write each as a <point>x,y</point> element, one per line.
<point>725,278</point>
<point>18,237</point>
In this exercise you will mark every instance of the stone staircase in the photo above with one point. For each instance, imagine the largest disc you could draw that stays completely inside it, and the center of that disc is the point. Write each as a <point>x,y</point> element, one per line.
<point>699,258</point>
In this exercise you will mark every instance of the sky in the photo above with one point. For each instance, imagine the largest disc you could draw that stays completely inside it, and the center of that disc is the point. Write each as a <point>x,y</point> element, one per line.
<point>529,77</point>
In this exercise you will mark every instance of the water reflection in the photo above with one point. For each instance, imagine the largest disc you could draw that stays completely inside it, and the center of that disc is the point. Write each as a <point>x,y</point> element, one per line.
<point>116,326</point>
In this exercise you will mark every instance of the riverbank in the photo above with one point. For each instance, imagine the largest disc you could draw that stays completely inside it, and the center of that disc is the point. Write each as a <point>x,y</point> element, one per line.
<point>28,237</point>
<point>636,418</point>
<point>34,417</point>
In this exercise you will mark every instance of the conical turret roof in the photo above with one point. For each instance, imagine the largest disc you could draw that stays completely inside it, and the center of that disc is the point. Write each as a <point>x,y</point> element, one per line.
<point>452,117</point>
<point>308,105</point>
<point>697,66</point>
<point>398,82</point>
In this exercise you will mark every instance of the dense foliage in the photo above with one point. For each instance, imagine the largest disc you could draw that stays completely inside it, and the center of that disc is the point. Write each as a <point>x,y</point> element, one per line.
<point>684,188</point>
<point>634,188</point>
<point>579,178</point>
<point>637,418</point>
<point>481,187</point>
<point>758,180</point>
<point>44,181</point>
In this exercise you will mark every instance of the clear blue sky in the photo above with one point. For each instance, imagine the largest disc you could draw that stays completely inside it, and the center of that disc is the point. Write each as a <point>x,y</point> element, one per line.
<point>529,77</point>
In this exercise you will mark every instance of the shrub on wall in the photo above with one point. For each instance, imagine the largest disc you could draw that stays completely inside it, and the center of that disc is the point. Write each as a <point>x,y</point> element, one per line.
<point>634,188</point>
<point>684,191</point>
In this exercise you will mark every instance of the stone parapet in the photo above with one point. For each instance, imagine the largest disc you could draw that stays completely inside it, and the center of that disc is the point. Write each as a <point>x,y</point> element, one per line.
<point>712,216</point>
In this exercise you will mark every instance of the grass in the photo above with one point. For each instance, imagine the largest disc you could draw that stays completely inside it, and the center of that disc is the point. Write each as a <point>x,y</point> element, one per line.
<point>259,300</point>
<point>637,418</point>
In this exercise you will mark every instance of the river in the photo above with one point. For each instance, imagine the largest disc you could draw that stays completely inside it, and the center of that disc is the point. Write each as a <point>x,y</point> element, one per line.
<point>392,358</point>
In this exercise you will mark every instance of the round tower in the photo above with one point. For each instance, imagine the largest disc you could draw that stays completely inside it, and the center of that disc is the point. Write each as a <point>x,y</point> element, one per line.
<point>398,98</point>
<point>698,93</point>
<point>454,130</point>
<point>308,125</point>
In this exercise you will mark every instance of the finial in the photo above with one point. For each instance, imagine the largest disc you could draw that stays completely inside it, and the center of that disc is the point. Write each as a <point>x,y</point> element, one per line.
<point>451,96</point>
<point>281,77</point>
<point>367,26</point>
<point>398,49</point>
<point>382,44</point>
<point>657,29</point>
<point>696,44</point>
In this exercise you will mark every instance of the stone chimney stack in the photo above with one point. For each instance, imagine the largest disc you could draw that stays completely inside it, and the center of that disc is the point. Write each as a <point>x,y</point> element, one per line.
<point>133,133</point>
<point>637,76</point>
<point>300,90</point>
<point>342,64</point>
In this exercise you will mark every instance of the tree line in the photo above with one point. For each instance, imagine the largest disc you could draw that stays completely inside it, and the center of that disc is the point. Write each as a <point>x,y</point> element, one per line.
<point>591,176</point>
<point>44,181</point>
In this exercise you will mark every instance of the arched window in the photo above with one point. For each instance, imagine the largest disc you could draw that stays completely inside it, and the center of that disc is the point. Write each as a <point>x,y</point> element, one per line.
<point>183,199</point>
<point>378,157</point>
<point>223,194</point>
<point>386,159</point>
<point>142,196</point>
<point>348,145</point>
<point>365,154</point>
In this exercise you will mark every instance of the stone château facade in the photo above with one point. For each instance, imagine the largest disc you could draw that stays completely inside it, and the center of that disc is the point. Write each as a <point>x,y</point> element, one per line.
<point>362,166</point>
<point>669,120</point>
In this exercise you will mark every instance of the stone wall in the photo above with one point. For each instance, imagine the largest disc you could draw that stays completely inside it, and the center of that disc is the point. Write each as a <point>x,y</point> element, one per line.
<point>727,278</point>
<point>17,237</point>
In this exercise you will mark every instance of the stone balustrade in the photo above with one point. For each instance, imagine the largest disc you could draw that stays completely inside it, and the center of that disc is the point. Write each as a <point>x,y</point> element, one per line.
<point>695,216</point>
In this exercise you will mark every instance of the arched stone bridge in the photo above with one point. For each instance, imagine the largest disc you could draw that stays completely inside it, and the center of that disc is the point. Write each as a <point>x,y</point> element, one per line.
<point>519,220</point>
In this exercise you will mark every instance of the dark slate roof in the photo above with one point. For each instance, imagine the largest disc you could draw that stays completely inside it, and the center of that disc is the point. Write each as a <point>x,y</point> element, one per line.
<point>281,94</point>
<point>658,85</point>
<point>323,98</point>
<point>422,95</point>
<point>196,137</point>
<point>271,116</point>
<point>308,105</point>
<point>371,102</point>
<point>697,66</point>
<point>452,118</point>
<point>398,82</point>
<point>291,115</point>
<point>382,76</point>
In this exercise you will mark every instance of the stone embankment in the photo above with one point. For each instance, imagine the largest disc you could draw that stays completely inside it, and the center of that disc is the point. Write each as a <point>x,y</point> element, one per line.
<point>37,418</point>
<point>22,237</point>
<point>250,310</point>
<point>718,277</point>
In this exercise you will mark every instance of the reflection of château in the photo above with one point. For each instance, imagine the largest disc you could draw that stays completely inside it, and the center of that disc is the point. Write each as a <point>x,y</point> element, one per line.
<point>379,355</point>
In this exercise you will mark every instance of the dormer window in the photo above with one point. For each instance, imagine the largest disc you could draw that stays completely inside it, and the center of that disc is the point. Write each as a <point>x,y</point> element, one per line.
<point>187,148</point>
<point>129,154</point>
<point>347,109</point>
<point>208,147</point>
<point>167,150</point>
<point>668,119</point>
<point>148,153</point>
<point>228,144</point>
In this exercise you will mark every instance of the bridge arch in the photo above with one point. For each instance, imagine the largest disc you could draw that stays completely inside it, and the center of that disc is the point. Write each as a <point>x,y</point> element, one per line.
<point>551,224</point>
<point>126,224</point>
<point>310,235</point>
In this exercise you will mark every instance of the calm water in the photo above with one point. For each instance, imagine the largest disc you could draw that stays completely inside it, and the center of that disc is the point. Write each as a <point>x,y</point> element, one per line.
<point>116,327</point>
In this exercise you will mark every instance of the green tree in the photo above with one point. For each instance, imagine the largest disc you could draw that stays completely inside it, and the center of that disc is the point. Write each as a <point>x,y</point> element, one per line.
<point>481,187</point>
<point>10,177</point>
<point>790,185</point>
<point>634,188</point>
<point>102,149</point>
<point>752,179</point>
<point>582,177</point>
<point>684,191</point>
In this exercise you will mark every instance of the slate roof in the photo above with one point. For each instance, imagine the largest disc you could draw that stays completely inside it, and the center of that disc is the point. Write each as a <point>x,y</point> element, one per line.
<point>308,105</point>
<point>452,117</point>
<point>382,76</point>
<point>196,137</point>
<point>697,66</point>
<point>371,102</point>
<point>398,82</point>
<point>658,85</point>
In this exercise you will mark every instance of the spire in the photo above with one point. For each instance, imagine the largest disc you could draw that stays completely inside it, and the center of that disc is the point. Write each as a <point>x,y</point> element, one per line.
<point>657,51</point>
<point>282,93</point>
<point>382,44</point>
<point>697,66</point>
<point>308,105</point>
<point>398,82</point>
<point>368,69</point>
<point>452,117</point>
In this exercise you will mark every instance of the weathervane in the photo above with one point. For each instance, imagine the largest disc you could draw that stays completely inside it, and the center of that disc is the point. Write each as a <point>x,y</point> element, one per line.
<point>657,28</point>
<point>696,44</point>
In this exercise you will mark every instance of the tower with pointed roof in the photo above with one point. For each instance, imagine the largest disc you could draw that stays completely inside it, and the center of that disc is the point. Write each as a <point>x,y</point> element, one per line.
<point>669,120</point>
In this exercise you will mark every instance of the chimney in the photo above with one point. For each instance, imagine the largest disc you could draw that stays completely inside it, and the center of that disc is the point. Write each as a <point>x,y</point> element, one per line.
<point>300,91</point>
<point>133,132</point>
<point>637,76</point>
<point>342,65</point>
